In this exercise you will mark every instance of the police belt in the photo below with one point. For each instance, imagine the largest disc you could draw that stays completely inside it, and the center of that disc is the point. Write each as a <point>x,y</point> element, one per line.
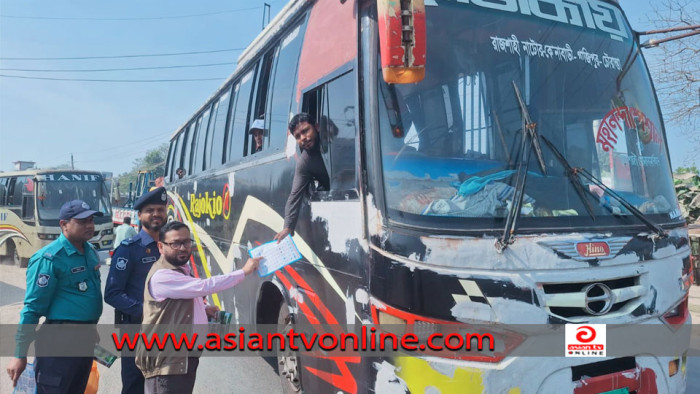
<point>123,318</point>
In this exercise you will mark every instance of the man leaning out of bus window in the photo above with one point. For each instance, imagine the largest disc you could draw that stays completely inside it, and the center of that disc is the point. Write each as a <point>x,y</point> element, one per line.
<point>309,168</point>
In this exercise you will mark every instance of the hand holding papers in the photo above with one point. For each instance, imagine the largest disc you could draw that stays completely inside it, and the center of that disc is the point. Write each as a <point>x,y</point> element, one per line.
<point>275,255</point>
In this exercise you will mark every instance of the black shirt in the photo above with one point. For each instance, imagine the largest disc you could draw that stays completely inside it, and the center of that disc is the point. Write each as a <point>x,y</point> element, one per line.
<point>310,167</point>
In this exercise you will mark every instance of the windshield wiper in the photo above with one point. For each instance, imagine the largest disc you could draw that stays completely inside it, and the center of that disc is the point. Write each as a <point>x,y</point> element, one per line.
<point>636,212</point>
<point>574,172</point>
<point>529,132</point>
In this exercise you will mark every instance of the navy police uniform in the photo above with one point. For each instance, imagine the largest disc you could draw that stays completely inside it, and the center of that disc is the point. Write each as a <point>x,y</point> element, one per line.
<point>63,284</point>
<point>130,264</point>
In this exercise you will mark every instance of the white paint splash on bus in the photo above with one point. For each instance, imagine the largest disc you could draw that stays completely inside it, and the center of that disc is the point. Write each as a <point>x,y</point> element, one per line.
<point>387,381</point>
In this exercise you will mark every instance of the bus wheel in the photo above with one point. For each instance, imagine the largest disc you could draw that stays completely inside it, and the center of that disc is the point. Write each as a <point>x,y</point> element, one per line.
<point>14,255</point>
<point>288,360</point>
<point>11,256</point>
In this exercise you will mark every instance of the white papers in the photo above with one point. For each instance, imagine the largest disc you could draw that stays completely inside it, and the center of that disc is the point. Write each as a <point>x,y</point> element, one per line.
<point>275,255</point>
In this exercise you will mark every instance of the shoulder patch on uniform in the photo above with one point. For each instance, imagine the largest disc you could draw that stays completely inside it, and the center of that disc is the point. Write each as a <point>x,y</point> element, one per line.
<point>47,256</point>
<point>121,263</point>
<point>43,280</point>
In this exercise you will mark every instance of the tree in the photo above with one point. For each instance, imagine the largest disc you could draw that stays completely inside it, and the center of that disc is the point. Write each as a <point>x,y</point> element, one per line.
<point>677,74</point>
<point>687,170</point>
<point>153,160</point>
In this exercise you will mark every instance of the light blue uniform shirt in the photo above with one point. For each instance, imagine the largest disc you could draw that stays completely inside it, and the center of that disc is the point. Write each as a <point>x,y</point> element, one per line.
<point>62,284</point>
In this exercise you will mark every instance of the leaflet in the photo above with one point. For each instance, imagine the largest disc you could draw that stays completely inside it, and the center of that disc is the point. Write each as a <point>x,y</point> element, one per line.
<point>104,356</point>
<point>275,255</point>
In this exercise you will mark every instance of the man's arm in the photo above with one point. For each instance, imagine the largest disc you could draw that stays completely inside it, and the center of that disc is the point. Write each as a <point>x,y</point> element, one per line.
<point>117,280</point>
<point>300,187</point>
<point>41,287</point>
<point>172,284</point>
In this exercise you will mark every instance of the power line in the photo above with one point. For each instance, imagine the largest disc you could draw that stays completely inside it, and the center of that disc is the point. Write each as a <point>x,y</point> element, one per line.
<point>123,56</point>
<point>112,80</point>
<point>129,19</point>
<point>115,69</point>
<point>119,146</point>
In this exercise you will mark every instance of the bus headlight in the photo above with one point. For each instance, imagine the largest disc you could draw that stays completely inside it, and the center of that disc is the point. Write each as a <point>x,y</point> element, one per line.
<point>48,237</point>
<point>676,316</point>
<point>108,232</point>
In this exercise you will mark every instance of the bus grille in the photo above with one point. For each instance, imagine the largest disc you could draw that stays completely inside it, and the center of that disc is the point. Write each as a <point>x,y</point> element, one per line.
<point>583,301</point>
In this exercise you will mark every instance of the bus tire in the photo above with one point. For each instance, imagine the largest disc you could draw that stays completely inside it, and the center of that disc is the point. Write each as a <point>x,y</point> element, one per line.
<point>288,362</point>
<point>18,261</point>
<point>12,256</point>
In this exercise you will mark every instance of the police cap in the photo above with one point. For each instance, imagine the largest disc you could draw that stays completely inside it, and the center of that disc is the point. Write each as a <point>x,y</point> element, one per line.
<point>76,209</point>
<point>155,196</point>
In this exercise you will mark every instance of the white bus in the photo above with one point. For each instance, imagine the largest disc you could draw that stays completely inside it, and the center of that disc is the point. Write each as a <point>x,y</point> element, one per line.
<point>31,200</point>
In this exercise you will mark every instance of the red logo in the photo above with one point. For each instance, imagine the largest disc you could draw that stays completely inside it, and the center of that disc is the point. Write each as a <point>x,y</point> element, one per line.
<point>593,249</point>
<point>585,334</point>
<point>226,206</point>
<point>585,340</point>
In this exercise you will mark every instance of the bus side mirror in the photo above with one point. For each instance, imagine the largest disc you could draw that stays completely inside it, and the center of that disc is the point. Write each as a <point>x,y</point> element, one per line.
<point>402,40</point>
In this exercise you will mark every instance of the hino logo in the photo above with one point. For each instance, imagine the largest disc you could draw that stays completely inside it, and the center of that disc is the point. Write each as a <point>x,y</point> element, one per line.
<point>599,299</point>
<point>587,249</point>
<point>593,249</point>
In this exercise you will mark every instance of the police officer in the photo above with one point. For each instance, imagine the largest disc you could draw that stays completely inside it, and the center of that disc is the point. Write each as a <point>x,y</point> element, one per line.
<point>131,262</point>
<point>63,284</point>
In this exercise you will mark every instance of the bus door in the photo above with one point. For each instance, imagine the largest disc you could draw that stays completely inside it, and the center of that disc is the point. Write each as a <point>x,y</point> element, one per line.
<point>20,198</point>
<point>335,229</point>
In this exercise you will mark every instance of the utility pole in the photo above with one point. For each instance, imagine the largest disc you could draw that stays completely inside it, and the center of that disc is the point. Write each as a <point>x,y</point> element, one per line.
<point>71,162</point>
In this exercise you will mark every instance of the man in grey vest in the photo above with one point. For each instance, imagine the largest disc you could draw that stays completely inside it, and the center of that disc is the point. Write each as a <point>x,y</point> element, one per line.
<point>173,297</point>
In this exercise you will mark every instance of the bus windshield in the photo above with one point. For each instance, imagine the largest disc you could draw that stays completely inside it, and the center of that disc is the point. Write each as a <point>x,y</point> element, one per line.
<point>451,143</point>
<point>52,194</point>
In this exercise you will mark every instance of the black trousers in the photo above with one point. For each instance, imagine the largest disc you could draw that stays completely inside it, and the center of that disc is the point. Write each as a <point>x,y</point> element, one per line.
<point>174,384</point>
<point>132,378</point>
<point>62,375</point>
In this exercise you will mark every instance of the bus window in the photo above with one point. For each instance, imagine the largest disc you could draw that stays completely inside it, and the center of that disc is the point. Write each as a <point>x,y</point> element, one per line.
<point>313,104</point>
<point>3,190</point>
<point>239,126</point>
<point>218,130</point>
<point>261,96</point>
<point>18,189</point>
<point>28,207</point>
<point>187,157</point>
<point>283,86</point>
<point>169,160</point>
<point>263,83</point>
<point>337,123</point>
<point>176,163</point>
<point>195,139</point>
<point>206,158</point>
<point>201,139</point>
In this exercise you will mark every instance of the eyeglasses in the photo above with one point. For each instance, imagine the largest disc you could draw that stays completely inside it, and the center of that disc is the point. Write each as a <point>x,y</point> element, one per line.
<point>179,244</point>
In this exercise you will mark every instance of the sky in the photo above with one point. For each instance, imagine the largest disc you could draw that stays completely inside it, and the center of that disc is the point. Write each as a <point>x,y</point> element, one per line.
<point>106,125</point>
